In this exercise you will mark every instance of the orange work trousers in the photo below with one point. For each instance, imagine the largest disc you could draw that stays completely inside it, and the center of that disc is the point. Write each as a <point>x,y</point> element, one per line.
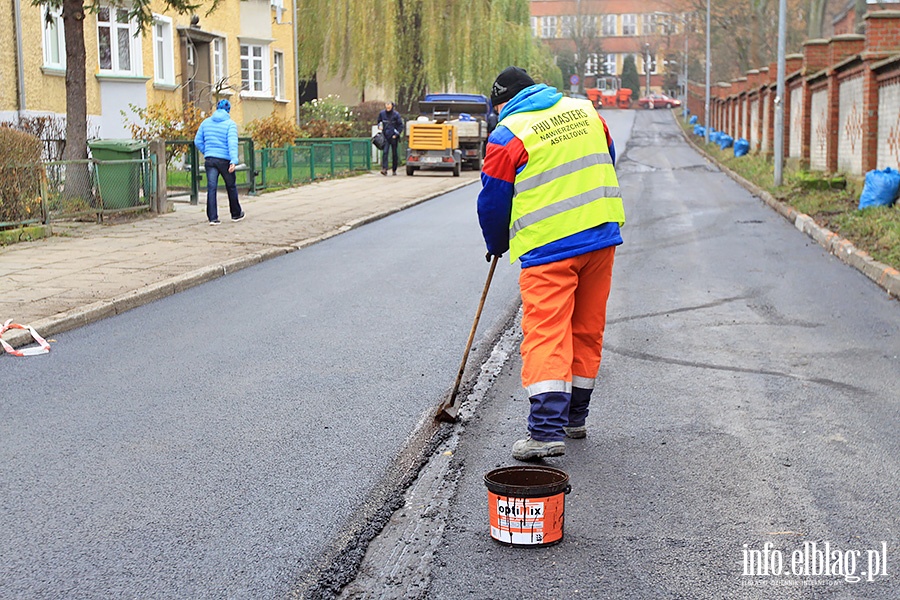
<point>564,315</point>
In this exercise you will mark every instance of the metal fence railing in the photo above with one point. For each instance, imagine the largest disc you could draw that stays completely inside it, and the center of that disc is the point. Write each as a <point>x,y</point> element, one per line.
<point>57,189</point>
<point>53,190</point>
<point>266,168</point>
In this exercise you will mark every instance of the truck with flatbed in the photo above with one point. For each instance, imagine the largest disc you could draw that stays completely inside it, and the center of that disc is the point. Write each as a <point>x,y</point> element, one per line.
<point>467,112</point>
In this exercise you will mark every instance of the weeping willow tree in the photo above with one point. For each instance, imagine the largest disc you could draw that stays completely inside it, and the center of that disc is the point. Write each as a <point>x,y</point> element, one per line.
<point>415,46</point>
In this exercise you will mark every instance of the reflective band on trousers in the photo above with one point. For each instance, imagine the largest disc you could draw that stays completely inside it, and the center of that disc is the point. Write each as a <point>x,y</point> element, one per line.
<point>562,206</point>
<point>568,168</point>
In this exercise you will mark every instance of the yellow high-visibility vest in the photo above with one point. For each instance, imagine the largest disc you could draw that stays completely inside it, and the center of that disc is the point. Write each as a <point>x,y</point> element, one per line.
<point>569,183</point>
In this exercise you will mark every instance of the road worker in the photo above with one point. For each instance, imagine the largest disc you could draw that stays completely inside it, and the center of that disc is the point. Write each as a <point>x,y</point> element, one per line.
<point>550,197</point>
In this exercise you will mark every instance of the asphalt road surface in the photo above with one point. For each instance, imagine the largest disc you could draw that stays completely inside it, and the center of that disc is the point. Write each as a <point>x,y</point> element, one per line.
<point>246,438</point>
<point>749,395</point>
<point>229,441</point>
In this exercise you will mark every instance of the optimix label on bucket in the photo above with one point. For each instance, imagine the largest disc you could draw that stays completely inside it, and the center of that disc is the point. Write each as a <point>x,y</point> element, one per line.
<point>524,521</point>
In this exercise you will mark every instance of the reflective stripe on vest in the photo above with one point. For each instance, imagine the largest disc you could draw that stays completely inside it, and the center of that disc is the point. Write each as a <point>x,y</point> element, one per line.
<point>569,183</point>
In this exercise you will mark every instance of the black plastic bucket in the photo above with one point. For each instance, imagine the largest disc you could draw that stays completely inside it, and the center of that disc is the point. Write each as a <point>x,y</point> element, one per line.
<point>527,505</point>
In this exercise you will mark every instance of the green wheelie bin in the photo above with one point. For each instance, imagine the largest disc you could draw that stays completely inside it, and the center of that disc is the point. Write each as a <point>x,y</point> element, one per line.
<point>120,184</point>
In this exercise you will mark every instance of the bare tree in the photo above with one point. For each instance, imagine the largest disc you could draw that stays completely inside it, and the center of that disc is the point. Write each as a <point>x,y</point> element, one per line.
<point>816,24</point>
<point>581,28</point>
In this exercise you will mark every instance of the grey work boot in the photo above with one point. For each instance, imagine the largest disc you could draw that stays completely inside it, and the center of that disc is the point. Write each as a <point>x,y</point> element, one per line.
<point>576,433</point>
<point>529,449</point>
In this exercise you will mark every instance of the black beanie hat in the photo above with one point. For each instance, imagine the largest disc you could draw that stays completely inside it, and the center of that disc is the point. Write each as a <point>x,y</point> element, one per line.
<point>510,82</point>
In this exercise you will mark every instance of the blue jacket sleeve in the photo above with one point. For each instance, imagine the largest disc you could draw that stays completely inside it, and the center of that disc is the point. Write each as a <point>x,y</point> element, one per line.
<point>233,143</point>
<point>199,140</point>
<point>504,155</point>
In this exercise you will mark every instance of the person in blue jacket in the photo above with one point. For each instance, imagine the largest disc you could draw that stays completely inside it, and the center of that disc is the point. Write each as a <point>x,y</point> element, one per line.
<point>391,124</point>
<point>217,140</point>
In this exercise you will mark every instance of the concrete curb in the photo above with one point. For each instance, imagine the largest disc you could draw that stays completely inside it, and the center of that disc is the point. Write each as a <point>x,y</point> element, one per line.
<point>102,309</point>
<point>885,276</point>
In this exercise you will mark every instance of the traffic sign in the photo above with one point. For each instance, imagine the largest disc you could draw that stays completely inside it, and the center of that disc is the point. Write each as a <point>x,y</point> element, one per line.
<point>574,80</point>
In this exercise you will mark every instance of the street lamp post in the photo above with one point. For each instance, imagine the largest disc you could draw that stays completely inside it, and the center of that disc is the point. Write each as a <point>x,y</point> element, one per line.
<point>684,100</point>
<point>779,93</point>
<point>647,65</point>
<point>706,103</point>
<point>684,66</point>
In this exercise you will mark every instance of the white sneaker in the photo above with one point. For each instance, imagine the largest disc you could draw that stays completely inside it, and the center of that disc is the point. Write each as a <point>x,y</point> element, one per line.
<point>529,449</point>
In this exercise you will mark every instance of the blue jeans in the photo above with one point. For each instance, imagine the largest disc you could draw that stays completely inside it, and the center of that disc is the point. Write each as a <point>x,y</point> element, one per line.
<point>390,144</point>
<point>214,168</point>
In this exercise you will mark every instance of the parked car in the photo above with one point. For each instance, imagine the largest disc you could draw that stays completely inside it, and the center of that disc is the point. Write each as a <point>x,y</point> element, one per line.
<point>658,101</point>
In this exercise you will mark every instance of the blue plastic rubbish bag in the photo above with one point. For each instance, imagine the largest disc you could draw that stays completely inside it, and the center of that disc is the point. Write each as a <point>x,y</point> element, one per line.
<point>741,147</point>
<point>880,189</point>
<point>693,120</point>
<point>725,141</point>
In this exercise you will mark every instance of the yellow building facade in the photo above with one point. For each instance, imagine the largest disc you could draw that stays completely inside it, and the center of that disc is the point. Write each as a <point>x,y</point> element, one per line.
<point>244,51</point>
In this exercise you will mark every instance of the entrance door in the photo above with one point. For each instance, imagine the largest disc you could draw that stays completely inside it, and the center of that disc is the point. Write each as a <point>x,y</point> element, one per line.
<point>198,74</point>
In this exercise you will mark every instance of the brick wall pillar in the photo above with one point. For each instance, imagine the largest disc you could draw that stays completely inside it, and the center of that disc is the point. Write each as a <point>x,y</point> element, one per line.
<point>882,31</point>
<point>734,117</point>
<point>815,56</point>
<point>768,131</point>
<point>870,121</point>
<point>834,111</point>
<point>842,46</point>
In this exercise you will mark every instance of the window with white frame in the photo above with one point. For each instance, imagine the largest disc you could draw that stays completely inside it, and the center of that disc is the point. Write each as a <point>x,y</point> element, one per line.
<point>119,49</point>
<point>649,62</point>
<point>163,51</point>
<point>648,26</point>
<point>629,24</point>
<point>608,25</point>
<point>609,64</point>
<point>568,26</point>
<point>534,26</point>
<point>218,60</point>
<point>278,74</point>
<point>591,65</point>
<point>548,27</point>
<point>588,25</point>
<point>254,68</point>
<point>54,39</point>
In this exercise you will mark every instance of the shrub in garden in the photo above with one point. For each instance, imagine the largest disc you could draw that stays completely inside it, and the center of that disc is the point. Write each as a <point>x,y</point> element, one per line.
<point>326,118</point>
<point>162,120</point>
<point>365,115</point>
<point>50,129</point>
<point>273,131</point>
<point>20,175</point>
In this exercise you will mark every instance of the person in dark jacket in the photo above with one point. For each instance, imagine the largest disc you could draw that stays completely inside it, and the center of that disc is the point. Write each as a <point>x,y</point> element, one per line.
<point>391,124</point>
<point>217,140</point>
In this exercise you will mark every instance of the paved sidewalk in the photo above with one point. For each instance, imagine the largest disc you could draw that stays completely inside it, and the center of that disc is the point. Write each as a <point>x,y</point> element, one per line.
<point>88,271</point>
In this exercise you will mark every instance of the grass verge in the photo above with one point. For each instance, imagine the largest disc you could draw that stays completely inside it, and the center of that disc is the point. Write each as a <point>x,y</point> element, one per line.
<point>831,200</point>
